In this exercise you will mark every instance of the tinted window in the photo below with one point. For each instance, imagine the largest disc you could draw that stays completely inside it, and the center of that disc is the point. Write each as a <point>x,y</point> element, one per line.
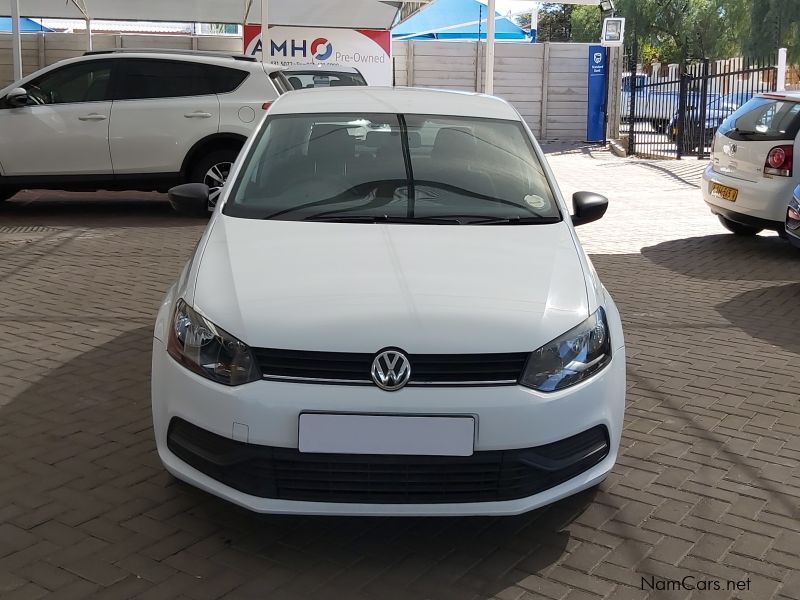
<point>763,119</point>
<point>82,82</point>
<point>313,79</point>
<point>334,166</point>
<point>151,78</point>
<point>223,79</point>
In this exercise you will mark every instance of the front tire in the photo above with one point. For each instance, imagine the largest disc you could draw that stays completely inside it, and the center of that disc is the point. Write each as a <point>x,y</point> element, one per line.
<point>213,170</point>
<point>6,193</point>
<point>738,228</point>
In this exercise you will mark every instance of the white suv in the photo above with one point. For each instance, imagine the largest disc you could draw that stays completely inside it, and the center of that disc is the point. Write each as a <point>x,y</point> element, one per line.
<point>132,119</point>
<point>755,164</point>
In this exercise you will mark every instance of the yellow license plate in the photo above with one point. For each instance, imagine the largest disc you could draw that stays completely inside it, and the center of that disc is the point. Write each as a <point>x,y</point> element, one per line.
<point>724,192</point>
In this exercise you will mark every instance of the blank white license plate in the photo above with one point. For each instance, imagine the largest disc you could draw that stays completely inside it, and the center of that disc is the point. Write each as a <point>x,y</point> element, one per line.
<point>380,434</point>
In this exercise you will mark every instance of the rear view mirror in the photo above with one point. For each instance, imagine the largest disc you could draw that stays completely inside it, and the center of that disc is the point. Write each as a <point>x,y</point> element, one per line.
<point>588,207</point>
<point>190,199</point>
<point>17,97</point>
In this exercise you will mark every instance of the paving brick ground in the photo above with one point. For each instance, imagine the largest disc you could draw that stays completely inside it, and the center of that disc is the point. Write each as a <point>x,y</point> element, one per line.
<point>707,486</point>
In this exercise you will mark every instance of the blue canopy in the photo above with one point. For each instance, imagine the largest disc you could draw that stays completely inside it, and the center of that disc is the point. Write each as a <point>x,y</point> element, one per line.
<point>455,20</point>
<point>25,25</point>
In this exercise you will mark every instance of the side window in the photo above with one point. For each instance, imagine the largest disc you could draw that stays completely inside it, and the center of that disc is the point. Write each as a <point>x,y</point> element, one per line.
<point>154,78</point>
<point>82,82</point>
<point>223,79</point>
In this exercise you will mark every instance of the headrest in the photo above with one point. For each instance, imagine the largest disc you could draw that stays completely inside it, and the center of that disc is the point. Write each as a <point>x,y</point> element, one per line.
<point>454,142</point>
<point>381,139</point>
<point>331,142</point>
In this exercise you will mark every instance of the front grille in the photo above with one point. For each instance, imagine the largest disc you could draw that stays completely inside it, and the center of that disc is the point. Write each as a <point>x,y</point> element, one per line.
<point>287,474</point>
<point>426,369</point>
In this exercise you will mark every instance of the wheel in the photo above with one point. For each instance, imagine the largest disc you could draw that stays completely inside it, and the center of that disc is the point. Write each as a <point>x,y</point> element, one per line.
<point>738,228</point>
<point>6,193</point>
<point>213,170</point>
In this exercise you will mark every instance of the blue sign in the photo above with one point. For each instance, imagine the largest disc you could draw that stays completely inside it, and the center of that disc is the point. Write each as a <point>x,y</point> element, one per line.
<point>598,90</point>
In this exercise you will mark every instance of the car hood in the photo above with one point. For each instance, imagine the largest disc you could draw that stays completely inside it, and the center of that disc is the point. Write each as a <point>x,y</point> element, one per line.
<point>362,287</point>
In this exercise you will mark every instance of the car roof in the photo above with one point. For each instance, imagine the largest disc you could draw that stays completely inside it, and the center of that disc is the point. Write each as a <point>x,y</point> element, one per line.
<point>790,95</point>
<point>239,61</point>
<point>313,68</point>
<point>360,99</point>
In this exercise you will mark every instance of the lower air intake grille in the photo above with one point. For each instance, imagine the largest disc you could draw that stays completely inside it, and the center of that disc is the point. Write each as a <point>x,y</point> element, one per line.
<point>287,474</point>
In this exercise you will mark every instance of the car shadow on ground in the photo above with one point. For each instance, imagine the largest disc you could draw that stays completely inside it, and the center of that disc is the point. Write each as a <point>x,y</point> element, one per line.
<point>79,442</point>
<point>728,257</point>
<point>767,314</point>
<point>96,209</point>
<point>749,282</point>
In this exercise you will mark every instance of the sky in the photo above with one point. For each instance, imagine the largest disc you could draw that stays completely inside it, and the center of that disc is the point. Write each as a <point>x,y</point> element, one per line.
<point>515,6</point>
<point>519,6</point>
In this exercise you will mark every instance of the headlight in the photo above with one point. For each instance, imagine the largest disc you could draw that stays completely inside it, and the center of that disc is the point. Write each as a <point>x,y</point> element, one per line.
<point>571,358</point>
<point>204,348</point>
<point>793,212</point>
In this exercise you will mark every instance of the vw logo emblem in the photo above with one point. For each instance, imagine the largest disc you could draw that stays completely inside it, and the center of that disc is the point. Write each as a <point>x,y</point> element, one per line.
<point>390,370</point>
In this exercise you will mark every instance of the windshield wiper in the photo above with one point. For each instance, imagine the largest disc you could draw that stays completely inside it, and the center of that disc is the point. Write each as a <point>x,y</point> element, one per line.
<point>384,219</point>
<point>536,220</point>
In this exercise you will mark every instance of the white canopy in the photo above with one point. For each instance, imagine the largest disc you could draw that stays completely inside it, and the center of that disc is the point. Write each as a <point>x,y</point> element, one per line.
<point>350,14</point>
<point>362,14</point>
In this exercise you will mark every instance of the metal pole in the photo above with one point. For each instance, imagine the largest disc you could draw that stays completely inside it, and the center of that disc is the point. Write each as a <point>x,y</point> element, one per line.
<point>89,34</point>
<point>535,22</point>
<point>488,86</point>
<point>781,83</point>
<point>16,40</point>
<point>265,47</point>
<point>701,125</point>
<point>634,72</point>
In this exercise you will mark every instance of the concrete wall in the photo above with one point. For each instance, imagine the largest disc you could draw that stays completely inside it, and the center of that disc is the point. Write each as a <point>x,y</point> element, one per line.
<point>547,83</point>
<point>43,49</point>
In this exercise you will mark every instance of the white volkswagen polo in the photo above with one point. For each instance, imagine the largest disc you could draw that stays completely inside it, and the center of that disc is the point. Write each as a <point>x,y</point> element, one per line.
<point>389,314</point>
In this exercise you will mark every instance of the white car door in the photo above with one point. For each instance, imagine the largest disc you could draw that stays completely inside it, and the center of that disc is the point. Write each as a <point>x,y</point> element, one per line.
<point>64,128</point>
<point>161,109</point>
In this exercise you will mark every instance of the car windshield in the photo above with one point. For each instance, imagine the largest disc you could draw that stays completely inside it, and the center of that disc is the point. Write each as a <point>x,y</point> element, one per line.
<point>764,119</point>
<point>416,168</point>
<point>315,79</point>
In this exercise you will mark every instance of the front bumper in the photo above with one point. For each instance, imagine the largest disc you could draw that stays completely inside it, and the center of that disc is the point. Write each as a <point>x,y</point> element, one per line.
<point>265,414</point>
<point>758,204</point>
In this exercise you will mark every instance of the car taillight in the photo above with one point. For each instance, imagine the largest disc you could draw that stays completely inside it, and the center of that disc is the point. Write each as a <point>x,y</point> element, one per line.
<point>779,161</point>
<point>266,105</point>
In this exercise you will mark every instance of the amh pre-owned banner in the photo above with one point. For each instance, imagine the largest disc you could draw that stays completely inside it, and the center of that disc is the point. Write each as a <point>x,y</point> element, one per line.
<point>368,50</point>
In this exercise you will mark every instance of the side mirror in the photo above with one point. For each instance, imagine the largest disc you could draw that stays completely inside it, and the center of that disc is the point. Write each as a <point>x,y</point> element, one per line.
<point>190,199</point>
<point>17,97</point>
<point>588,207</point>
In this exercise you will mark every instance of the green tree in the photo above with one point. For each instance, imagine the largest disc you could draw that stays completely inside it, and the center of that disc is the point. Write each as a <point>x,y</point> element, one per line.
<point>586,24</point>
<point>674,29</point>
<point>773,24</point>
<point>555,22</point>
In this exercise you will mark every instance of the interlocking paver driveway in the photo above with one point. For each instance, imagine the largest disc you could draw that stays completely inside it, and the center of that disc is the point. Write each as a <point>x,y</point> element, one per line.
<point>707,486</point>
